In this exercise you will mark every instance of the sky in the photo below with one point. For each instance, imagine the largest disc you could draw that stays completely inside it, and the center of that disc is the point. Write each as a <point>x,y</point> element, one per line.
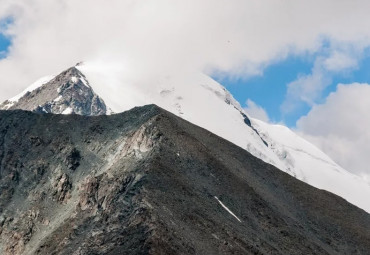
<point>268,90</point>
<point>303,64</point>
<point>4,45</point>
<point>5,40</point>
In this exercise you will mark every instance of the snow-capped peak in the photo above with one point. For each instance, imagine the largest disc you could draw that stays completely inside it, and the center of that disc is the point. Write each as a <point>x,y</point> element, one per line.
<point>66,93</point>
<point>204,102</point>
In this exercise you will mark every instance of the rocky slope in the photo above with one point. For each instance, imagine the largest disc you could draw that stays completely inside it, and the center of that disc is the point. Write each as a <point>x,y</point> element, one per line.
<point>200,100</point>
<point>67,93</point>
<point>148,182</point>
<point>206,103</point>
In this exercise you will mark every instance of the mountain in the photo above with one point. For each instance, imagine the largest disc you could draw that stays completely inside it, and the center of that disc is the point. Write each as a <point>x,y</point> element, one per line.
<point>204,102</point>
<point>66,93</point>
<point>148,182</point>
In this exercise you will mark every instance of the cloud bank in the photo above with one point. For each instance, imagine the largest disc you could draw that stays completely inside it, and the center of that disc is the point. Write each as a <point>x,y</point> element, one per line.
<point>233,37</point>
<point>340,127</point>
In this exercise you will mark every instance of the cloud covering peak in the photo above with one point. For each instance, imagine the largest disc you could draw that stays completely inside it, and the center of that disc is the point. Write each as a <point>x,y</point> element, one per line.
<point>233,37</point>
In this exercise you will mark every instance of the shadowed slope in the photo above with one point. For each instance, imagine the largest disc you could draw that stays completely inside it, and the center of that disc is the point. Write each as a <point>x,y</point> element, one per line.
<point>148,182</point>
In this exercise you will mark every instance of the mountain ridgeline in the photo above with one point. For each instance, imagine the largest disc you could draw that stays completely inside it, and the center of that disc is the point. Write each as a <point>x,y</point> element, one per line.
<point>205,103</point>
<point>200,100</point>
<point>148,182</point>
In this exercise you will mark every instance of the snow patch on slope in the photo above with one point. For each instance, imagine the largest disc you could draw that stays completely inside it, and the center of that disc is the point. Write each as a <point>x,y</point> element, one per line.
<point>75,79</point>
<point>227,209</point>
<point>32,87</point>
<point>68,110</point>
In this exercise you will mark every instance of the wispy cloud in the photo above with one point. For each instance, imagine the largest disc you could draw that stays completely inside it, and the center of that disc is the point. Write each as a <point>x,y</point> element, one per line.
<point>340,61</point>
<point>256,111</point>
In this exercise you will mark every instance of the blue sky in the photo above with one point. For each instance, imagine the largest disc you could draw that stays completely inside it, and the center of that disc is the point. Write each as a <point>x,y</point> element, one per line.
<point>4,44</point>
<point>269,89</point>
<point>4,40</point>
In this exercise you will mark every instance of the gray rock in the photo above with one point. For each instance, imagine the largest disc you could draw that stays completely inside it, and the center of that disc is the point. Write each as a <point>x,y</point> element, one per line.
<point>67,93</point>
<point>148,182</point>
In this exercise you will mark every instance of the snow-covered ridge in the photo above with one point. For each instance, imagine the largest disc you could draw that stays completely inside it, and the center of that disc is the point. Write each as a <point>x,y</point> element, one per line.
<point>204,102</point>
<point>309,164</point>
<point>208,104</point>
<point>40,82</point>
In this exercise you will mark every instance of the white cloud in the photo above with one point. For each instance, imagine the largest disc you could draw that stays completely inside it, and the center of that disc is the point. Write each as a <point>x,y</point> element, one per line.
<point>234,36</point>
<point>308,88</point>
<point>340,127</point>
<point>256,111</point>
<point>339,61</point>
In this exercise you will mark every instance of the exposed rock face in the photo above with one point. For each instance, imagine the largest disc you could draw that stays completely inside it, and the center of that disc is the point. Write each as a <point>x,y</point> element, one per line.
<point>147,182</point>
<point>67,93</point>
<point>62,187</point>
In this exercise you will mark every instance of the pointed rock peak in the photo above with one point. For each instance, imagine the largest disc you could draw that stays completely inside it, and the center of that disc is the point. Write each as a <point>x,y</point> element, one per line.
<point>67,93</point>
<point>72,77</point>
<point>80,63</point>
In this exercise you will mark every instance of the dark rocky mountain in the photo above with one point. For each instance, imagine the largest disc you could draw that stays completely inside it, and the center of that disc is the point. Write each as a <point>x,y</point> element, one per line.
<point>67,93</point>
<point>148,182</point>
<point>203,102</point>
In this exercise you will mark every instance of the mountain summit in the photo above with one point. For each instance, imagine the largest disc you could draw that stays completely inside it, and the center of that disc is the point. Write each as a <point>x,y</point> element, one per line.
<point>202,101</point>
<point>66,93</point>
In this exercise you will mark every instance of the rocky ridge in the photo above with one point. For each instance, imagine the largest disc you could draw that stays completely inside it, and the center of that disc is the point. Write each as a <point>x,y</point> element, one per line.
<point>203,102</point>
<point>148,182</point>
